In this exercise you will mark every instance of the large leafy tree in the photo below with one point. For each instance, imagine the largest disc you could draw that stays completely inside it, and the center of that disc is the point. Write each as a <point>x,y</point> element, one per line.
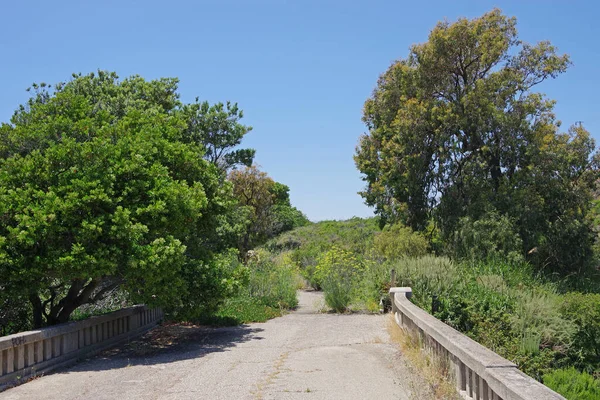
<point>99,188</point>
<point>456,130</point>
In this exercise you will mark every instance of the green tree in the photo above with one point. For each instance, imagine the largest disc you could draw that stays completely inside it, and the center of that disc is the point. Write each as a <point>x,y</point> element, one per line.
<point>218,129</point>
<point>252,188</point>
<point>455,130</point>
<point>397,241</point>
<point>285,216</point>
<point>266,204</point>
<point>98,189</point>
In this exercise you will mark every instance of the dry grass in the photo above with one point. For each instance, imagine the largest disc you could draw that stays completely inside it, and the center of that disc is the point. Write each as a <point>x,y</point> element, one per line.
<point>433,370</point>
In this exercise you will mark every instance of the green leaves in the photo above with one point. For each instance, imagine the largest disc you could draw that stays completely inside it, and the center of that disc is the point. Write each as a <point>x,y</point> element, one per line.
<point>455,130</point>
<point>100,186</point>
<point>217,128</point>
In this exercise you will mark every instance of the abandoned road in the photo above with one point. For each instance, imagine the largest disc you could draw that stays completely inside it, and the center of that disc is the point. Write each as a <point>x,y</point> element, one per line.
<point>303,355</point>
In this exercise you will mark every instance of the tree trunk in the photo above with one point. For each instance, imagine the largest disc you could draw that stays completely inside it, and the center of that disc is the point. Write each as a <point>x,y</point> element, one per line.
<point>38,316</point>
<point>79,293</point>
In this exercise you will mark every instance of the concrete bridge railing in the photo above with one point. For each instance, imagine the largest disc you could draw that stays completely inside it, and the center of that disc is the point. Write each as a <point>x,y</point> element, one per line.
<point>32,353</point>
<point>479,373</point>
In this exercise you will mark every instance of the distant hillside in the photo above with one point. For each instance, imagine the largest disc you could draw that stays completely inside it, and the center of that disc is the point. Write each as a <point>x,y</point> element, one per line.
<point>308,242</point>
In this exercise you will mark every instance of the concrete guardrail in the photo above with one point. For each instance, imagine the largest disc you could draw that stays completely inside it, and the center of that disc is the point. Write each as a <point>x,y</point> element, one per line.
<point>27,354</point>
<point>479,373</point>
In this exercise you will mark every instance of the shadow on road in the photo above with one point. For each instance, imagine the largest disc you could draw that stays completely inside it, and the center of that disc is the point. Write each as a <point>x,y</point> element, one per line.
<point>167,344</point>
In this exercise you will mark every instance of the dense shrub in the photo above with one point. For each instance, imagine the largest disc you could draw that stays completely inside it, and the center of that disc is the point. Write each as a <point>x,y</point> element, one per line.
<point>273,281</point>
<point>400,241</point>
<point>537,315</point>
<point>583,310</point>
<point>308,243</point>
<point>491,237</point>
<point>338,273</point>
<point>572,384</point>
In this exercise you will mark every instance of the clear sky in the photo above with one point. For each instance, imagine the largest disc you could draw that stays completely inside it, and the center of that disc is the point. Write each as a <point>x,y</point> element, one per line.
<point>301,70</point>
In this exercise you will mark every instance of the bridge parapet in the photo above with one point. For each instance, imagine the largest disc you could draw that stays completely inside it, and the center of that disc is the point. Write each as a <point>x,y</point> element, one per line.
<point>27,354</point>
<point>479,373</point>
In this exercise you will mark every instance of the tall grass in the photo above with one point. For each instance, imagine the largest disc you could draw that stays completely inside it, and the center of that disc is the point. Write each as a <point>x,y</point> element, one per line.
<point>274,279</point>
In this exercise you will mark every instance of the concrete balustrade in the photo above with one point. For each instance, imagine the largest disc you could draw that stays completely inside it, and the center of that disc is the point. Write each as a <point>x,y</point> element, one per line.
<point>27,354</point>
<point>479,373</point>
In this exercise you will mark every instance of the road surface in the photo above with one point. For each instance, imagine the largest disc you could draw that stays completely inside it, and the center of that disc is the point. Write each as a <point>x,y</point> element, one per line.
<point>306,354</point>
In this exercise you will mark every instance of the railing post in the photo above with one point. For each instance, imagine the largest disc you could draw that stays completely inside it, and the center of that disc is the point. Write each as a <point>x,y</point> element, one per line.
<point>459,369</point>
<point>19,355</point>
<point>39,351</point>
<point>9,362</point>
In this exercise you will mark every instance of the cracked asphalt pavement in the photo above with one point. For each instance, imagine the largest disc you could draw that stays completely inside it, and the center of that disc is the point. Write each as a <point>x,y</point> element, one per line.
<point>302,355</point>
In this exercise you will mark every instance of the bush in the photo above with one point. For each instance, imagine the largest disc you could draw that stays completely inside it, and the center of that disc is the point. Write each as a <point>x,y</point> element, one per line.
<point>491,237</point>
<point>427,276</point>
<point>338,273</point>
<point>537,315</point>
<point>573,384</point>
<point>241,309</point>
<point>308,243</point>
<point>374,286</point>
<point>273,281</point>
<point>400,241</point>
<point>584,312</point>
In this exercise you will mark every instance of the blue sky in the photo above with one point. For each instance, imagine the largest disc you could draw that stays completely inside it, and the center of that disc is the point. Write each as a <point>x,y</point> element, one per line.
<point>301,70</point>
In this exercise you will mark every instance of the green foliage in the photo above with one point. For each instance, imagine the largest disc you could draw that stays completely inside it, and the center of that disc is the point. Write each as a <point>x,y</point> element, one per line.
<point>501,305</point>
<point>269,289</point>
<point>217,128</point>
<point>267,207</point>
<point>537,317</point>
<point>456,128</point>
<point>572,384</point>
<point>309,242</point>
<point>241,309</point>
<point>274,280</point>
<point>285,217</point>
<point>583,310</point>
<point>490,237</point>
<point>397,241</point>
<point>338,273</point>
<point>99,188</point>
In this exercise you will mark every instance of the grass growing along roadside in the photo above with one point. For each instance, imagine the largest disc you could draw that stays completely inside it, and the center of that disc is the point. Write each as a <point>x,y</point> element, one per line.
<point>433,370</point>
<point>241,310</point>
